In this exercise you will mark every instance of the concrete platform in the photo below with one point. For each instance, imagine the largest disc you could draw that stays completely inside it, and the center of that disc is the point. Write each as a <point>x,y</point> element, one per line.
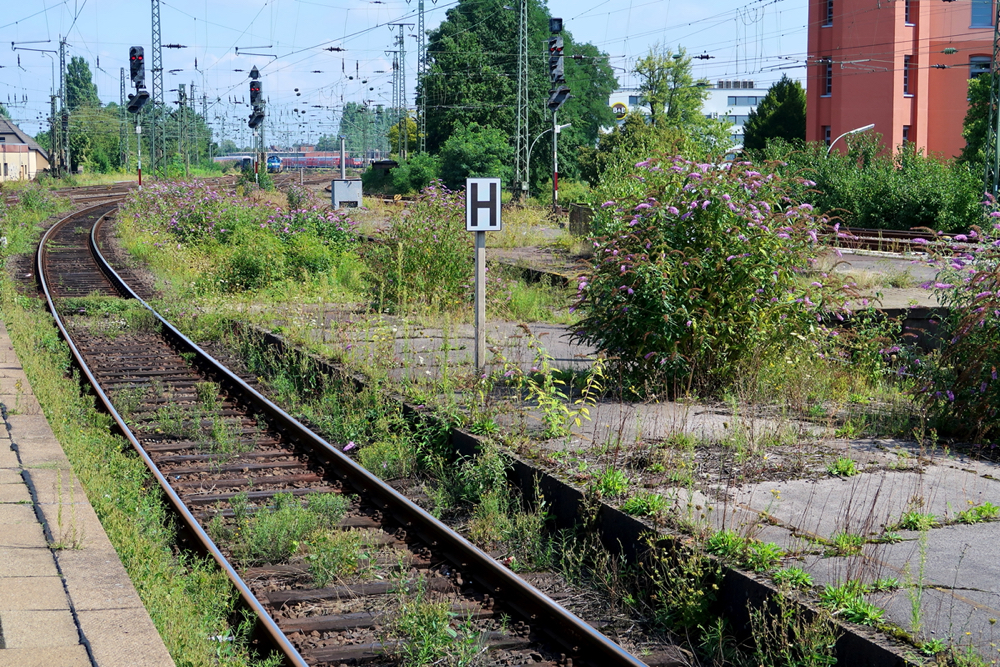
<point>65,598</point>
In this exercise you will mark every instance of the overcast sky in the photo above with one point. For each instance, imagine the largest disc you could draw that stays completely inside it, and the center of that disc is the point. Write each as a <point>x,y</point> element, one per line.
<point>756,39</point>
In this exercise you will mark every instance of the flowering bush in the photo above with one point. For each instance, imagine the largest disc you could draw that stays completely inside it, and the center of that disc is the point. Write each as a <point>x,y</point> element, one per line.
<point>250,244</point>
<point>960,382</point>
<point>699,271</point>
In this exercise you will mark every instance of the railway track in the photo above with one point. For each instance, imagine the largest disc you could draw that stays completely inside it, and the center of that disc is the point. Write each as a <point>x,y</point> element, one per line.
<point>227,459</point>
<point>897,240</point>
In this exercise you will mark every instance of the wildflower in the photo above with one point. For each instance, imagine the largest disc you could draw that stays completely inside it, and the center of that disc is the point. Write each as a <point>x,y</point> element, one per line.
<point>349,446</point>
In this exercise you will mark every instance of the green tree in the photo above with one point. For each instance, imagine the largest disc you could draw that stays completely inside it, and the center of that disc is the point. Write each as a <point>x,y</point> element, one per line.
<point>475,151</point>
<point>228,147</point>
<point>975,125</point>
<point>673,94</point>
<point>473,79</point>
<point>780,115</point>
<point>80,89</point>
<point>363,128</point>
<point>3,112</point>
<point>411,136</point>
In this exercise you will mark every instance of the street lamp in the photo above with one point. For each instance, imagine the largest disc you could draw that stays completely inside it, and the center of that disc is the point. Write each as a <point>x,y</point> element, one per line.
<point>558,129</point>
<point>867,127</point>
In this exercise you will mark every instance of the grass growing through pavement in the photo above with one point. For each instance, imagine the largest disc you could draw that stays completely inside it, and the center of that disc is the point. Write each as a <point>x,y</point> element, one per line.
<point>188,598</point>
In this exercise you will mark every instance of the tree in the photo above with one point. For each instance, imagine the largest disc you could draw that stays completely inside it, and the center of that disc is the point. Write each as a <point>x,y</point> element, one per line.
<point>473,79</point>
<point>780,115</point>
<point>975,125</point>
<point>80,89</point>
<point>475,151</point>
<point>671,91</point>
<point>3,112</point>
<point>228,147</point>
<point>411,136</point>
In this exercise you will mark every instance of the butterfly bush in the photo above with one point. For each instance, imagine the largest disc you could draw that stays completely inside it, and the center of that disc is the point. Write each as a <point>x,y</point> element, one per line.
<point>960,380</point>
<point>250,243</point>
<point>699,271</point>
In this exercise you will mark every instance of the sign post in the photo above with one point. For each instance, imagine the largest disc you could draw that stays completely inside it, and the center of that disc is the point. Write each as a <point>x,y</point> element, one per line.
<point>482,214</point>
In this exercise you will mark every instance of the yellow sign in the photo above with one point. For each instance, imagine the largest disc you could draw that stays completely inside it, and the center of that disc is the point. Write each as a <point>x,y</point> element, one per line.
<point>620,110</point>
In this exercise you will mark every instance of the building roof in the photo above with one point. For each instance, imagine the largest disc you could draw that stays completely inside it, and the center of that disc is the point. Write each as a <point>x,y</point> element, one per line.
<point>8,128</point>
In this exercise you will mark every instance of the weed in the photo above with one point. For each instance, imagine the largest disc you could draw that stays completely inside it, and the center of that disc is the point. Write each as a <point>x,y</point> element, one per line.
<point>860,611</point>
<point>727,544</point>
<point>175,422</point>
<point>612,482</point>
<point>837,596</point>
<point>428,633</point>
<point>335,554</point>
<point>685,586</point>
<point>885,584</point>
<point>793,577</point>
<point>843,466</point>
<point>787,637</point>
<point>983,512</point>
<point>762,556</point>
<point>914,520</point>
<point>847,544</point>
<point>645,504</point>
<point>933,647</point>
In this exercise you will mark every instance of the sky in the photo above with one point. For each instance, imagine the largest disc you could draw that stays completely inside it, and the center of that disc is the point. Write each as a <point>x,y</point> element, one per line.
<point>288,41</point>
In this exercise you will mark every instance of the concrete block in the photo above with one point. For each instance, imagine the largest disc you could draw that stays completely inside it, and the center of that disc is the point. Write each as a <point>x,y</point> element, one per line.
<point>39,629</point>
<point>27,562</point>
<point>32,594</point>
<point>24,535</point>
<point>123,638</point>
<point>67,656</point>
<point>14,493</point>
<point>96,579</point>
<point>10,476</point>
<point>17,515</point>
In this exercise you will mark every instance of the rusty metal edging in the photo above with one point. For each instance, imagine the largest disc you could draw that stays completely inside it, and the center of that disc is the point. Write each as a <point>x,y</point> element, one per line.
<point>562,626</point>
<point>269,625</point>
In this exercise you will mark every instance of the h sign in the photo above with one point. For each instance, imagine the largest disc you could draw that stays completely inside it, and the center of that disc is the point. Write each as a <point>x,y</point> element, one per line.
<point>482,204</point>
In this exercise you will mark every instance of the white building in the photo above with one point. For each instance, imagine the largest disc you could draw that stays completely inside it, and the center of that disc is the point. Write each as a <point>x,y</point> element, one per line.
<point>21,158</point>
<point>733,100</point>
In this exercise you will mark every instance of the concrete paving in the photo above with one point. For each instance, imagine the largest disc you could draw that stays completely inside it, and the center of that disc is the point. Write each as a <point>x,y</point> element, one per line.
<point>948,574</point>
<point>65,598</point>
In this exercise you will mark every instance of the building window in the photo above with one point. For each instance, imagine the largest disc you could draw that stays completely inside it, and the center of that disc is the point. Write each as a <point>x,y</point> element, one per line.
<point>906,134</point>
<point>743,100</point>
<point>633,100</point>
<point>907,64</point>
<point>828,80</point>
<point>982,13</point>
<point>826,135</point>
<point>908,12</point>
<point>829,13</point>
<point>979,65</point>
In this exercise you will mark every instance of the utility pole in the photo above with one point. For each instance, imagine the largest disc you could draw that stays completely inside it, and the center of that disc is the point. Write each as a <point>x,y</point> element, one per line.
<point>521,110</point>
<point>400,94</point>
<point>159,149</point>
<point>53,136</point>
<point>64,113</point>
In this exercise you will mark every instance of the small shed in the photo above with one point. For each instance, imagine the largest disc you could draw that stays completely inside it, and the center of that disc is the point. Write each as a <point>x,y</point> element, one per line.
<point>21,158</point>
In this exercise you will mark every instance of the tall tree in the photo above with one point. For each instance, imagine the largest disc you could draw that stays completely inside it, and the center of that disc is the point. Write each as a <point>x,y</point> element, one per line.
<point>975,125</point>
<point>3,112</point>
<point>780,115</point>
<point>673,94</point>
<point>473,79</point>
<point>80,89</point>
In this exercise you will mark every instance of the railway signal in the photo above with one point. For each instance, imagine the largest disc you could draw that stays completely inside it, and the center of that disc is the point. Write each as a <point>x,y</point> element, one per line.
<point>557,67</point>
<point>137,66</point>
<point>137,101</point>
<point>255,93</point>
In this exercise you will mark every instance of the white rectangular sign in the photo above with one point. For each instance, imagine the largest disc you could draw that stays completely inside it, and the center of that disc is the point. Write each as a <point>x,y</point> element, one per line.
<point>482,204</point>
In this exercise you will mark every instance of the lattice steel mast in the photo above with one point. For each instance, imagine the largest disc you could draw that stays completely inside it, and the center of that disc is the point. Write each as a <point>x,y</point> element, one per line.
<point>123,143</point>
<point>521,110</point>
<point>159,147</point>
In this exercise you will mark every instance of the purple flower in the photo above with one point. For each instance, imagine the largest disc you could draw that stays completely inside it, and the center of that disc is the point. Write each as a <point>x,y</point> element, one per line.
<point>607,204</point>
<point>349,446</point>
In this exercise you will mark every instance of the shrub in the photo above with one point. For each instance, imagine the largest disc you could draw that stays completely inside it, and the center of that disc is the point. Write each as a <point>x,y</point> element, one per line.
<point>474,150</point>
<point>697,272</point>
<point>428,258</point>
<point>869,187</point>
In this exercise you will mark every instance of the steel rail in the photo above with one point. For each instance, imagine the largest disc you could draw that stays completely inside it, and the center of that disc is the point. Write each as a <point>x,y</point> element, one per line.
<point>561,626</point>
<point>269,625</point>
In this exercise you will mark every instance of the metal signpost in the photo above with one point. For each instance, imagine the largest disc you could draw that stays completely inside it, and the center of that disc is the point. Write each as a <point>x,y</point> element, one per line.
<point>482,214</point>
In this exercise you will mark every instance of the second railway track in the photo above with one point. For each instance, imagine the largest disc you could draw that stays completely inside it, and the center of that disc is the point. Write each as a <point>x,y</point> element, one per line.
<point>222,453</point>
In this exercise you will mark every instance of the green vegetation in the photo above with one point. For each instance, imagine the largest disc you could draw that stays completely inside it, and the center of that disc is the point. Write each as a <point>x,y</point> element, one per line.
<point>780,115</point>
<point>793,577</point>
<point>843,467</point>
<point>746,552</point>
<point>428,633</point>
<point>187,597</point>
<point>870,187</point>
<point>986,511</point>
<point>914,520</point>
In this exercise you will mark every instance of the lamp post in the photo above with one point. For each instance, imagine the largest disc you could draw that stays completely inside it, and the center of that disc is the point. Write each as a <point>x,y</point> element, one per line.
<point>867,127</point>
<point>558,128</point>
